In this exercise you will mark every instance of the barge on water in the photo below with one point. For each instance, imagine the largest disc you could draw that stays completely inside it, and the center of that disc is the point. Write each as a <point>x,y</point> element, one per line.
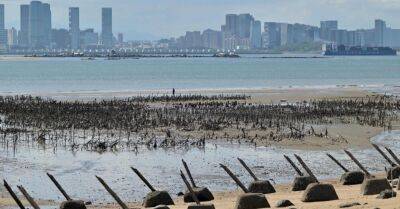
<point>342,50</point>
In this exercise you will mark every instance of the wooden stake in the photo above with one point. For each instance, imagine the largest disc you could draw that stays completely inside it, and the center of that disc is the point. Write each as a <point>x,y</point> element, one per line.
<point>13,195</point>
<point>337,162</point>
<point>189,173</point>
<point>233,176</point>
<point>112,193</point>
<point>358,163</point>
<point>293,165</point>
<point>143,179</point>
<point>190,189</point>
<point>28,197</point>
<point>248,169</point>
<point>59,187</point>
<point>310,173</point>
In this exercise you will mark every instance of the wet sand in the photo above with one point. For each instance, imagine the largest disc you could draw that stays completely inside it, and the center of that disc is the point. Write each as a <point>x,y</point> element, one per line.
<point>261,96</point>
<point>359,138</point>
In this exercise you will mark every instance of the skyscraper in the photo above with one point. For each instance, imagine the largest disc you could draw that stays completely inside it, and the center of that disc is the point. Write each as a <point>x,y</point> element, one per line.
<point>23,36</point>
<point>244,26</point>
<point>47,24</point>
<point>106,27</point>
<point>3,32</point>
<point>74,30</point>
<point>232,24</point>
<point>2,16</point>
<point>255,35</point>
<point>326,28</point>
<point>39,25</point>
<point>380,27</point>
<point>12,37</point>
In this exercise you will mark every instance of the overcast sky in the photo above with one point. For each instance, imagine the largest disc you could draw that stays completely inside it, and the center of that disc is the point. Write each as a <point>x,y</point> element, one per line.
<point>151,19</point>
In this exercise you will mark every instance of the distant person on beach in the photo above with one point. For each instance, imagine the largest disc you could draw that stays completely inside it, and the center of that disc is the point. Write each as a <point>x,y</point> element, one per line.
<point>173,91</point>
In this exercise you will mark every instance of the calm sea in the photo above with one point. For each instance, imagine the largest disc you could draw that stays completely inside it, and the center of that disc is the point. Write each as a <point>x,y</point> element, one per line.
<point>52,75</point>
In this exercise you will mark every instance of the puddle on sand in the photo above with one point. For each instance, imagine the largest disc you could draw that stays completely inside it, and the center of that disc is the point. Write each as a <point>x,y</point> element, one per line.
<point>76,171</point>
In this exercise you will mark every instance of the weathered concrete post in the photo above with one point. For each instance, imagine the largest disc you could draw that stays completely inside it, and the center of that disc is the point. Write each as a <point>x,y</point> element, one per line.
<point>349,177</point>
<point>248,169</point>
<point>337,162</point>
<point>247,200</point>
<point>358,163</point>
<point>384,155</point>
<point>233,176</point>
<point>112,193</point>
<point>394,156</point>
<point>189,173</point>
<point>294,166</point>
<point>59,187</point>
<point>310,173</point>
<point>154,198</point>
<point>28,197</point>
<point>13,195</point>
<point>190,188</point>
<point>202,193</point>
<point>258,186</point>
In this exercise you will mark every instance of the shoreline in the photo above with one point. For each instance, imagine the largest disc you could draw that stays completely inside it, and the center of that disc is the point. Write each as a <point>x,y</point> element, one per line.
<point>259,95</point>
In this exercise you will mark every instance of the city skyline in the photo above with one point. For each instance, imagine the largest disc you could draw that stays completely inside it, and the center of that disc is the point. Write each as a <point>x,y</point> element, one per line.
<point>141,20</point>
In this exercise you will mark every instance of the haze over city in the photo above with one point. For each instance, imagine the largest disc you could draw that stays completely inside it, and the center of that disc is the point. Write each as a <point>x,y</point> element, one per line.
<point>150,20</point>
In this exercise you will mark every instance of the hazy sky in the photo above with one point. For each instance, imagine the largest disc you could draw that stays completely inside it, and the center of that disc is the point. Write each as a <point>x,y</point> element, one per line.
<point>151,19</point>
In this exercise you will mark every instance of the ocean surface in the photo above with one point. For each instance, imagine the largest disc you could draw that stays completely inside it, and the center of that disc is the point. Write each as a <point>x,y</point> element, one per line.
<point>53,75</point>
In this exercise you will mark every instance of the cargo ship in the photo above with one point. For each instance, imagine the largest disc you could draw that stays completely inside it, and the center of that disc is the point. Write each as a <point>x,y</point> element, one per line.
<point>342,50</point>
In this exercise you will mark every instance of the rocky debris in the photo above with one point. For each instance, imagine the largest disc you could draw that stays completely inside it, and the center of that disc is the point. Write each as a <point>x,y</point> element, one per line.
<point>284,203</point>
<point>202,206</point>
<point>202,193</point>
<point>349,205</point>
<point>393,173</point>
<point>251,201</point>
<point>73,204</point>
<point>316,192</point>
<point>161,207</point>
<point>374,186</point>
<point>386,194</point>
<point>352,178</point>
<point>156,198</point>
<point>264,187</point>
<point>300,183</point>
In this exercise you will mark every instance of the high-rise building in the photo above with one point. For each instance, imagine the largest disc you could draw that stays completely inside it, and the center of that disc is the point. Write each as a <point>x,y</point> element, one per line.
<point>39,25</point>
<point>12,36</point>
<point>2,16</point>
<point>74,30</point>
<point>46,24</point>
<point>120,38</point>
<point>23,36</point>
<point>286,34</point>
<point>326,28</point>
<point>380,28</point>
<point>193,39</point>
<point>60,38</point>
<point>255,35</point>
<point>89,39</point>
<point>3,32</point>
<point>245,21</point>
<point>212,39</point>
<point>272,35</point>
<point>106,27</point>
<point>232,24</point>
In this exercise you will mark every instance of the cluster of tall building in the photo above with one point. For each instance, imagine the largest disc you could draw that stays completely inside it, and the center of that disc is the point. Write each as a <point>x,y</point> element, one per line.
<point>239,31</point>
<point>36,30</point>
<point>242,31</point>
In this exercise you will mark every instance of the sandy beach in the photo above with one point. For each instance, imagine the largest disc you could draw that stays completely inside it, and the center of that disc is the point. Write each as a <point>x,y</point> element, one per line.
<point>226,200</point>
